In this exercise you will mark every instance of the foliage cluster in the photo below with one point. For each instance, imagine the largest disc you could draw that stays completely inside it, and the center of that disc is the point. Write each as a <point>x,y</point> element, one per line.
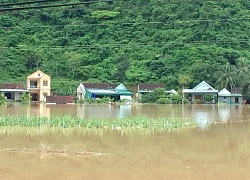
<point>25,98</point>
<point>176,43</point>
<point>208,98</point>
<point>99,100</point>
<point>3,99</point>
<point>160,96</point>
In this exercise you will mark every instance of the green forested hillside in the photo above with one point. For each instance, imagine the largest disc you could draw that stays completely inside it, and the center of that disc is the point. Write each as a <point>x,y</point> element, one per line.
<point>176,42</point>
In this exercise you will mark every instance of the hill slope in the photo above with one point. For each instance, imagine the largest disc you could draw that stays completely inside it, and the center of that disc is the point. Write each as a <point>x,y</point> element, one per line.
<point>179,43</point>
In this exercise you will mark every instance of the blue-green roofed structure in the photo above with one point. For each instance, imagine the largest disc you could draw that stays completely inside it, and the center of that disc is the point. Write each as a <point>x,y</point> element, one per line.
<point>100,90</point>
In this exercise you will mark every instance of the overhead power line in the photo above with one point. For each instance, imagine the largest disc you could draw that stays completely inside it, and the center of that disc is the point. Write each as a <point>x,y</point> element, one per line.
<point>110,6</point>
<point>132,23</point>
<point>113,45</point>
<point>25,3</point>
<point>54,5</point>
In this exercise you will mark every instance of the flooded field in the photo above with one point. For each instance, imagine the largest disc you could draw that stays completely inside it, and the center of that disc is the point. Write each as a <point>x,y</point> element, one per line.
<point>217,151</point>
<point>203,114</point>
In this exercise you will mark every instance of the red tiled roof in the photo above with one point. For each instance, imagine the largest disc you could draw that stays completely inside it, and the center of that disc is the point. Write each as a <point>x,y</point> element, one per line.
<point>96,85</point>
<point>113,86</point>
<point>12,86</point>
<point>150,87</point>
<point>100,85</point>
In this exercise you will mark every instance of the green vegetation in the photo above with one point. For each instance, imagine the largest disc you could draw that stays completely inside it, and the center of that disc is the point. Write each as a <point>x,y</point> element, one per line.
<point>159,96</point>
<point>3,99</point>
<point>25,98</point>
<point>178,43</point>
<point>208,98</point>
<point>139,122</point>
<point>103,100</point>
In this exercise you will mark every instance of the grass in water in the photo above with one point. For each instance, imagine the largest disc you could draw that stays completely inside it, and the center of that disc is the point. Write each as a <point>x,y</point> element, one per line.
<point>138,122</point>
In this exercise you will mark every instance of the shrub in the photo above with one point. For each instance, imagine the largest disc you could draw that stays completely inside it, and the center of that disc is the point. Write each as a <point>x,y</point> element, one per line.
<point>80,101</point>
<point>124,101</point>
<point>152,97</point>
<point>163,101</point>
<point>208,98</point>
<point>3,99</point>
<point>25,98</point>
<point>176,99</point>
<point>99,100</point>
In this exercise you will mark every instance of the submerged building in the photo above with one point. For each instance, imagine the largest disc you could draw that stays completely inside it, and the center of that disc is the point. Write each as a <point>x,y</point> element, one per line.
<point>101,90</point>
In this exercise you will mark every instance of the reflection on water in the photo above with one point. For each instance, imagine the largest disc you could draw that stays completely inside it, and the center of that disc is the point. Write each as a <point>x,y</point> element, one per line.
<point>219,153</point>
<point>206,114</point>
<point>203,114</point>
<point>104,111</point>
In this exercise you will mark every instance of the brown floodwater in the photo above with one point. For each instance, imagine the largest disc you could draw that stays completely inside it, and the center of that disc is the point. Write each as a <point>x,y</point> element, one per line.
<point>218,151</point>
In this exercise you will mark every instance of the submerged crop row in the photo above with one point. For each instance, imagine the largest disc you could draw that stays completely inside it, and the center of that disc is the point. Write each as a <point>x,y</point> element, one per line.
<point>161,123</point>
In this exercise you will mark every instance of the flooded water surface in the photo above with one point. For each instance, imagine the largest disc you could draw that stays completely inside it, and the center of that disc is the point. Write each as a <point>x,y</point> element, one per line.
<point>217,151</point>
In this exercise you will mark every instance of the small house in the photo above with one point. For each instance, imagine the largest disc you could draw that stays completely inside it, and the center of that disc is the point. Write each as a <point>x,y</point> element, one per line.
<point>13,91</point>
<point>224,96</point>
<point>101,90</point>
<point>38,84</point>
<point>202,93</point>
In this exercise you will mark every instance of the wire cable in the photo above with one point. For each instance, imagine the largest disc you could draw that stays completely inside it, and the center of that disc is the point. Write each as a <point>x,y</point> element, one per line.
<point>114,45</point>
<point>24,3</point>
<point>133,23</point>
<point>108,7</point>
<point>53,5</point>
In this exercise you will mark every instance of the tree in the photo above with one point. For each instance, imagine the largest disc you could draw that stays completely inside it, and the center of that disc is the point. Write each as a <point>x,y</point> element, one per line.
<point>122,66</point>
<point>243,74</point>
<point>242,69</point>
<point>184,79</point>
<point>227,78</point>
<point>34,58</point>
<point>73,61</point>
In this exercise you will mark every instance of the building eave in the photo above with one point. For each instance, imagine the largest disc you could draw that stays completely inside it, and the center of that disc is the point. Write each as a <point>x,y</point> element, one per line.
<point>13,90</point>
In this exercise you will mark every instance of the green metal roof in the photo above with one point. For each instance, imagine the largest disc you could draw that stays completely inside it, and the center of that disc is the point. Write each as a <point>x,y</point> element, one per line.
<point>108,92</point>
<point>125,92</point>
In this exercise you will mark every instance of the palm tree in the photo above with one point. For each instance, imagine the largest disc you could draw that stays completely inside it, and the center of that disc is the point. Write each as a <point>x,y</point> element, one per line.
<point>226,80</point>
<point>243,73</point>
<point>242,70</point>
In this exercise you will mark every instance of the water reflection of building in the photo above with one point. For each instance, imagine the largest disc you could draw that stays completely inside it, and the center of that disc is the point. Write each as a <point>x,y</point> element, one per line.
<point>229,112</point>
<point>41,110</point>
<point>202,114</point>
<point>206,114</point>
<point>103,111</point>
<point>224,113</point>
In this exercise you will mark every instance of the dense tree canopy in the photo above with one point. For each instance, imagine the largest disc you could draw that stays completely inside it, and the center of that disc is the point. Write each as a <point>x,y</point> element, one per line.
<point>179,43</point>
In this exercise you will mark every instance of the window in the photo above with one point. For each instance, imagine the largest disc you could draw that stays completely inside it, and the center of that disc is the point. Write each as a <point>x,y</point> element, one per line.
<point>33,84</point>
<point>236,100</point>
<point>45,83</point>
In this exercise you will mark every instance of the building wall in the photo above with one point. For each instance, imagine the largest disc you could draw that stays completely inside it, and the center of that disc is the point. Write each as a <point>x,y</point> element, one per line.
<point>42,89</point>
<point>17,96</point>
<point>224,99</point>
<point>230,99</point>
<point>240,100</point>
